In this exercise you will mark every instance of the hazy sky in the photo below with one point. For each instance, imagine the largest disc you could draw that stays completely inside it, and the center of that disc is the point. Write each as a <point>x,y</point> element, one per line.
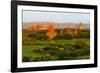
<point>58,17</point>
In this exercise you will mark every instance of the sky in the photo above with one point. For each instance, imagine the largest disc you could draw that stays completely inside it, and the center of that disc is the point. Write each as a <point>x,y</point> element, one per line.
<point>57,17</point>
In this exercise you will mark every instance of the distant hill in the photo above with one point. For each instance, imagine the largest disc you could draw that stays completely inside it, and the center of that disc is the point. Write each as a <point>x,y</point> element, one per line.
<point>57,25</point>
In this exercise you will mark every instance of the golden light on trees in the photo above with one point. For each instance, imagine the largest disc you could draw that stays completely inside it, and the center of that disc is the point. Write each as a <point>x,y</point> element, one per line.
<point>60,29</point>
<point>29,29</point>
<point>81,26</point>
<point>51,33</point>
<point>75,32</point>
<point>69,30</point>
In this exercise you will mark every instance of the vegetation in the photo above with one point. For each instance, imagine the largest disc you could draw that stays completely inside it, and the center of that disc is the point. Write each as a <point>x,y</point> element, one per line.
<point>55,44</point>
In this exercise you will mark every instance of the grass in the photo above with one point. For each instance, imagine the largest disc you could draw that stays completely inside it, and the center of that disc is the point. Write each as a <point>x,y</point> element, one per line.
<point>27,50</point>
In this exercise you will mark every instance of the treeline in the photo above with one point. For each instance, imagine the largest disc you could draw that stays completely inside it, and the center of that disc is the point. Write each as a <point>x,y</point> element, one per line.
<point>61,34</point>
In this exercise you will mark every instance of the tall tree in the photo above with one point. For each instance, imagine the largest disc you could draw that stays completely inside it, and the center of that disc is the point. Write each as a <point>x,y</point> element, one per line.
<point>69,30</point>
<point>81,26</point>
<point>51,33</point>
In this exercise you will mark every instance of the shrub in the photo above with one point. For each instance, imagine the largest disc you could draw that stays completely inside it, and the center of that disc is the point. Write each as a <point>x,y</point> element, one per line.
<point>46,57</point>
<point>37,50</point>
<point>80,44</point>
<point>37,59</point>
<point>30,35</point>
<point>61,49</point>
<point>46,48</point>
<point>26,59</point>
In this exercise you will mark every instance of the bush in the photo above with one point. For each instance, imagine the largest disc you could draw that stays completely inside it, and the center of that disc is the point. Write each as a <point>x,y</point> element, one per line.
<point>37,59</point>
<point>83,34</point>
<point>37,50</point>
<point>80,44</point>
<point>30,35</point>
<point>26,59</point>
<point>61,49</point>
<point>46,48</point>
<point>46,57</point>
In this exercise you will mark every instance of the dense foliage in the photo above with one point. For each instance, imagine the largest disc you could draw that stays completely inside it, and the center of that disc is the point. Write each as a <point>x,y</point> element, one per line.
<point>55,44</point>
<point>29,37</point>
